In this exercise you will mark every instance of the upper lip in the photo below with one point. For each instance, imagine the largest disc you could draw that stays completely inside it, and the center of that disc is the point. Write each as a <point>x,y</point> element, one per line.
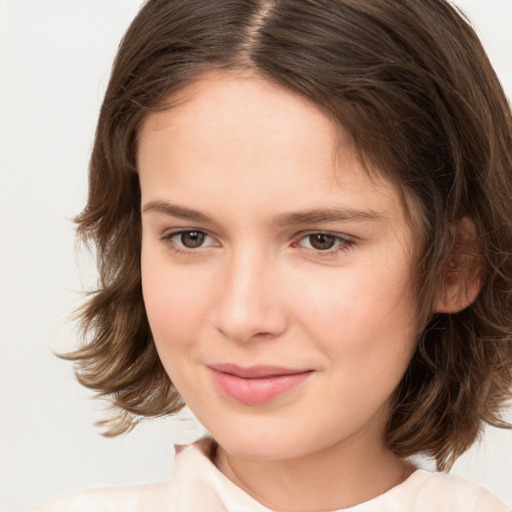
<point>256,371</point>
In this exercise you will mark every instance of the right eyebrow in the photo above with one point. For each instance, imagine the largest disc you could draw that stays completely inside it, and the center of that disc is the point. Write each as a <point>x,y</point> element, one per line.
<point>175,210</point>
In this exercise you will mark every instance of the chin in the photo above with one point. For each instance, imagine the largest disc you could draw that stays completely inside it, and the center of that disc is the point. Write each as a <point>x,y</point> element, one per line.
<point>262,444</point>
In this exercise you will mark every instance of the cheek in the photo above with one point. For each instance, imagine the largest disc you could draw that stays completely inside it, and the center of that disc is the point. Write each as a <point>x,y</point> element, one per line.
<point>175,302</point>
<point>176,311</point>
<point>364,320</point>
<point>355,300</point>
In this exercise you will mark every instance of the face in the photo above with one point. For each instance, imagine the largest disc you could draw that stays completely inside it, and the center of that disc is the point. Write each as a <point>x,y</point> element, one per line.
<point>276,273</point>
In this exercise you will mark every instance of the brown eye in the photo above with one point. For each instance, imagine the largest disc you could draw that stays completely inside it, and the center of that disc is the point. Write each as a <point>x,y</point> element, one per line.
<point>322,241</point>
<point>192,239</point>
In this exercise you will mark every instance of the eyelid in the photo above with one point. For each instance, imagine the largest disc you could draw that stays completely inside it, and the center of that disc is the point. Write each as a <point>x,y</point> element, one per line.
<point>335,234</point>
<point>345,242</point>
<point>169,235</point>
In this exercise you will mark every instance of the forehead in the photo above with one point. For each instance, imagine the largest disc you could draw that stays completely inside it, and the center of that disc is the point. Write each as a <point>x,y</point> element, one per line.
<point>255,140</point>
<point>237,105</point>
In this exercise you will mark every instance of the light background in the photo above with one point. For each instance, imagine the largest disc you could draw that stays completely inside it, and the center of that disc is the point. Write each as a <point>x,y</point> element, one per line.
<point>55,57</point>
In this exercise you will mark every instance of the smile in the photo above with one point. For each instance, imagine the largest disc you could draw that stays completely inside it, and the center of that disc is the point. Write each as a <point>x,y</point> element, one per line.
<point>256,385</point>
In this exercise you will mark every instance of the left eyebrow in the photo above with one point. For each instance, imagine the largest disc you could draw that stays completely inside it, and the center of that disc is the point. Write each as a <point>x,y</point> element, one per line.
<point>315,216</point>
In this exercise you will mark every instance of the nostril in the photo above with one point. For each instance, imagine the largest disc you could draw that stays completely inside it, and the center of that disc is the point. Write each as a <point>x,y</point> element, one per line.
<point>242,335</point>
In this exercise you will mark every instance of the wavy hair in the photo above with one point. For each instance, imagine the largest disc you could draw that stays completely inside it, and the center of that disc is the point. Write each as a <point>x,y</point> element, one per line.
<point>410,83</point>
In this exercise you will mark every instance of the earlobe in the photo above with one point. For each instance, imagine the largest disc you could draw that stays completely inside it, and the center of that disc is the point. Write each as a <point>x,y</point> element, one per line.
<point>462,278</point>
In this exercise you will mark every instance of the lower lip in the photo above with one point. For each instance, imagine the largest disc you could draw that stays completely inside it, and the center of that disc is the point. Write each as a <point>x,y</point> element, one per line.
<point>257,391</point>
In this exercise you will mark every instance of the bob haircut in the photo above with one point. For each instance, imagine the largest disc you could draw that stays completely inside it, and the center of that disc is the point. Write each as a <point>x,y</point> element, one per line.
<point>411,85</point>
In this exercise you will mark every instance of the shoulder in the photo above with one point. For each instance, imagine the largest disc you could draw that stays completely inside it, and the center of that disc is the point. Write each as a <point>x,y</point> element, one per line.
<point>440,491</point>
<point>196,484</point>
<point>137,498</point>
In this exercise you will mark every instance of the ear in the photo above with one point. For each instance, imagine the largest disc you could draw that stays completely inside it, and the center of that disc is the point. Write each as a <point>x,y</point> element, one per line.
<point>462,277</point>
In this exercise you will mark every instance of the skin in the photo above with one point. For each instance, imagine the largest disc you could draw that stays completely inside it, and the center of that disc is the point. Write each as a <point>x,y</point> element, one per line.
<point>244,154</point>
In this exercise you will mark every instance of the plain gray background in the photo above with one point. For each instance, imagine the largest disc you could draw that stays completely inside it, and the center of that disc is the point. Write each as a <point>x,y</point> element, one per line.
<point>55,57</point>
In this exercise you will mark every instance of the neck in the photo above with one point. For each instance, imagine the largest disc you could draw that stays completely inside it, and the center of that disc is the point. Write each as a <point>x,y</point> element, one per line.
<point>339,476</point>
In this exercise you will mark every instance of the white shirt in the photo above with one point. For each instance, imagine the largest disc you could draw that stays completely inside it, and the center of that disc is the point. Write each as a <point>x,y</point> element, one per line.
<point>198,486</point>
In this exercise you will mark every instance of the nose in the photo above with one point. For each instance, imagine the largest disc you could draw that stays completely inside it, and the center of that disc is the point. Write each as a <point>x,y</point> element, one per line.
<point>249,304</point>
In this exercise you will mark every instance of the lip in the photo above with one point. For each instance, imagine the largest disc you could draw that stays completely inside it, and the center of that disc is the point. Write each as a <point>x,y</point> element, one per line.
<point>256,385</point>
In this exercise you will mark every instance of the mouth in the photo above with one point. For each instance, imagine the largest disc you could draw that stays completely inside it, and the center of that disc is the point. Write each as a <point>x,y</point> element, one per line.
<point>256,385</point>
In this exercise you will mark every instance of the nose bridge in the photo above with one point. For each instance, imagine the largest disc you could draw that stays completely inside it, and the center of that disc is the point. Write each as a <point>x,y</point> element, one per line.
<point>249,304</point>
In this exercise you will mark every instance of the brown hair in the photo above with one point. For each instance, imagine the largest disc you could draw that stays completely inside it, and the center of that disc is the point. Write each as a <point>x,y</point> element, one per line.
<point>410,83</point>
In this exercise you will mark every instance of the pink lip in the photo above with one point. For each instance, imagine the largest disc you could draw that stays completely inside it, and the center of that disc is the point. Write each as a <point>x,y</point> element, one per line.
<point>256,385</point>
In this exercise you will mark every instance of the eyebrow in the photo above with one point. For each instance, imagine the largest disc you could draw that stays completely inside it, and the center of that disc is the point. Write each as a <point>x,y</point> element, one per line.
<point>317,215</point>
<point>175,210</point>
<point>312,216</point>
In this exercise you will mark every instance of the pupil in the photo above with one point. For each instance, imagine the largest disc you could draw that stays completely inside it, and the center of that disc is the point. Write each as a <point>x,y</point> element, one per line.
<point>192,239</point>
<point>322,241</point>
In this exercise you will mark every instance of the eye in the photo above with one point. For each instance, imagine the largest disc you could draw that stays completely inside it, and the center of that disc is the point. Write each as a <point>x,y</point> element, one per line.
<point>187,239</point>
<point>325,242</point>
<point>322,241</point>
<point>191,239</point>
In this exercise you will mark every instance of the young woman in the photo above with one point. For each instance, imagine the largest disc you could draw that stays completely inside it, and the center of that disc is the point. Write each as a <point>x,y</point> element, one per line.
<point>301,212</point>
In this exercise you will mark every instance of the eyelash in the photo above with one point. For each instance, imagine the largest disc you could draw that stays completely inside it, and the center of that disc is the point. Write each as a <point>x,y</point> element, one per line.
<point>169,237</point>
<point>343,243</point>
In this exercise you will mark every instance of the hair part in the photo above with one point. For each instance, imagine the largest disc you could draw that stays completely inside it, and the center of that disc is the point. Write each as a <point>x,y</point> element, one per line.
<point>411,85</point>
